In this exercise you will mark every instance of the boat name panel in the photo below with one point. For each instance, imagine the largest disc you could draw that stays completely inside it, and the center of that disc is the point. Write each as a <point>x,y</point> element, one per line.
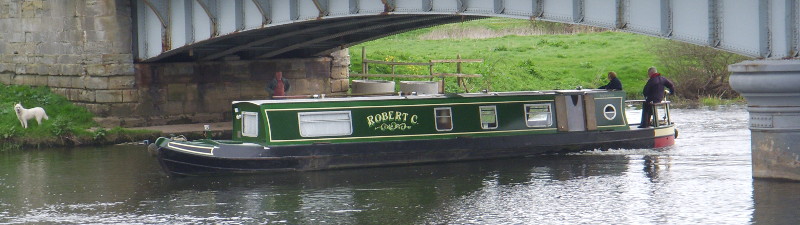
<point>392,120</point>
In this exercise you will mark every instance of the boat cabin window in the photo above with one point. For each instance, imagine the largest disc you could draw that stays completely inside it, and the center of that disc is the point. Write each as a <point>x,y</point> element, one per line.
<point>444,119</point>
<point>250,124</point>
<point>610,112</point>
<point>329,123</point>
<point>538,115</point>
<point>488,117</point>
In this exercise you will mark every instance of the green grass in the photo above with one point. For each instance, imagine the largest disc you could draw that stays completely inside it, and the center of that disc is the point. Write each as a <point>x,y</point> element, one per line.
<point>68,124</point>
<point>65,118</point>
<point>517,63</point>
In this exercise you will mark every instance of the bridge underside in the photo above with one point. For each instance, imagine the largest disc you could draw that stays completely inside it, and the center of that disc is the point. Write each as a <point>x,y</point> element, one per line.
<point>211,30</point>
<point>304,39</point>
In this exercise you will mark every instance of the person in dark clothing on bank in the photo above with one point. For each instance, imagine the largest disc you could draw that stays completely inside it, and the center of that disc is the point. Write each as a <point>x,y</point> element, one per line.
<point>653,93</point>
<point>613,83</point>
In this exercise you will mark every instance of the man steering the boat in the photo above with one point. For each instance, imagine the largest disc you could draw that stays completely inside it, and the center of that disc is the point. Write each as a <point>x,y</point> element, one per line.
<point>653,93</point>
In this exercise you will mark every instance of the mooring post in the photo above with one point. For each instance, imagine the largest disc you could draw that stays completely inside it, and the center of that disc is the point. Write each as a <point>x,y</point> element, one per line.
<point>772,90</point>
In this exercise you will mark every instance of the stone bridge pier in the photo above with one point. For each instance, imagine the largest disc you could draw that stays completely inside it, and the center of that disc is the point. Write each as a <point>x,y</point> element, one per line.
<point>772,90</point>
<point>83,50</point>
<point>171,93</point>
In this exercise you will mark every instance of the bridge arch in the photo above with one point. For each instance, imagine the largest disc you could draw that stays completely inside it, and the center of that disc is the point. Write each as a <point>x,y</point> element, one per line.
<point>208,30</point>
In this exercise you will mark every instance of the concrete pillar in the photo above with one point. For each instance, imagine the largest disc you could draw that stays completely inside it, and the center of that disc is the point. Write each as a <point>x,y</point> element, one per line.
<point>772,90</point>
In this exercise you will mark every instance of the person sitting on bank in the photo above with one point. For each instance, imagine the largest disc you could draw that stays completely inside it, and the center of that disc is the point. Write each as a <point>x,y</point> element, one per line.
<point>613,83</point>
<point>653,93</point>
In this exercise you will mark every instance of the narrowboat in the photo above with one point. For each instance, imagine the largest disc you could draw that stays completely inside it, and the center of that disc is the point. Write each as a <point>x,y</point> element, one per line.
<point>322,133</point>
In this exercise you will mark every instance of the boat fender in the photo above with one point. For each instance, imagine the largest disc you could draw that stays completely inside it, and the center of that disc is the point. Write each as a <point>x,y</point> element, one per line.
<point>676,133</point>
<point>152,149</point>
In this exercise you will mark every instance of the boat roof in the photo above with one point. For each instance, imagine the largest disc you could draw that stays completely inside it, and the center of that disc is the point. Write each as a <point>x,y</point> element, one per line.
<point>323,98</point>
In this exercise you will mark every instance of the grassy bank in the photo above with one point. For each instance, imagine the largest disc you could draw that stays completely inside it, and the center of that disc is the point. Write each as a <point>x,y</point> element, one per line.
<point>514,62</point>
<point>68,124</point>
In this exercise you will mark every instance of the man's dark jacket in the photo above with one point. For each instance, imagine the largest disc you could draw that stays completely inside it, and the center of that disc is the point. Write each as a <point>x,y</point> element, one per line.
<point>654,89</point>
<point>614,84</point>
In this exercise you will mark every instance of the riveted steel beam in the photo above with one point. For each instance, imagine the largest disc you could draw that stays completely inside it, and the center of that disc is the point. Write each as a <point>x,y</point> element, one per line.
<point>322,7</point>
<point>266,11</point>
<point>461,5</point>
<point>210,7</point>
<point>337,35</point>
<point>388,5</point>
<point>763,29</point>
<point>577,11</point>
<point>239,17</point>
<point>161,9</point>
<point>354,8</point>
<point>538,8</point>
<point>791,28</point>
<point>427,5</point>
<point>499,7</point>
<point>187,21</point>
<point>714,23</point>
<point>622,20</point>
<point>287,35</point>
<point>294,10</point>
<point>666,18</point>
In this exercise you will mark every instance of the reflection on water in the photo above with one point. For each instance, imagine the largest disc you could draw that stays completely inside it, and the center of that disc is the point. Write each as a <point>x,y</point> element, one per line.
<point>705,178</point>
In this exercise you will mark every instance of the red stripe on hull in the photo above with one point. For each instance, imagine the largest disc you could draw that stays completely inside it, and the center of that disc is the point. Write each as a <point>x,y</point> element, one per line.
<point>660,142</point>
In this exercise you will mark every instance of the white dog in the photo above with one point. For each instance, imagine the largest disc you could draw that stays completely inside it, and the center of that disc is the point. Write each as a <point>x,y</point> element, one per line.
<point>24,114</point>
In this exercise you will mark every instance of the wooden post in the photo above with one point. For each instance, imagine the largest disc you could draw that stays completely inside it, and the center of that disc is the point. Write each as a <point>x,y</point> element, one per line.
<point>458,71</point>
<point>364,67</point>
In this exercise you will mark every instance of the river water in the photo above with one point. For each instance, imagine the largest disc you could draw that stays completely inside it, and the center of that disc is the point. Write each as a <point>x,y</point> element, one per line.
<point>704,179</point>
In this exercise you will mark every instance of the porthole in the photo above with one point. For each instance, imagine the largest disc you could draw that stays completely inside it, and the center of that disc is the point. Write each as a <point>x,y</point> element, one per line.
<point>610,112</point>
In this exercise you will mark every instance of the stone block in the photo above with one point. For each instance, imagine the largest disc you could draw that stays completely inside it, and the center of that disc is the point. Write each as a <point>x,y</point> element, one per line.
<point>309,86</point>
<point>253,91</point>
<point>340,72</point>
<point>123,109</point>
<point>7,67</point>
<point>294,74</point>
<point>108,122</point>
<point>131,95</point>
<point>318,69</point>
<point>92,82</point>
<point>20,69</point>
<point>120,69</point>
<point>190,107</point>
<point>176,92</point>
<point>216,106</point>
<point>32,80</point>
<point>94,35</point>
<point>61,91</point>
<point>6,78</point>
<point>173,107</point>
<point>91,59</point>
<point>60,81</point>
<point>69,59</point>
<point>83,95</point>
<point>97,109</point>
<point>48,59</point>
<point>340,85</point>
<point>96,70</point>
<point>32,69</point>
<point>108,96</point>
<point>121,82</point>
<point>71,69</point>
<point>117,58</point>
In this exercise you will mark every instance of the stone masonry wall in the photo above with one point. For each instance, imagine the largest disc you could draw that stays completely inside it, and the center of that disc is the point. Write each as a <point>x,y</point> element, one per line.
<point>79,48</point>
<point>174,93</point>
<point>82,49</point>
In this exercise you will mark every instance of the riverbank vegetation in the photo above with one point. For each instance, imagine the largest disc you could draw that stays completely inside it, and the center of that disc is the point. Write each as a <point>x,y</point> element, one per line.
<point>523,55</point>
<point>68,124</point>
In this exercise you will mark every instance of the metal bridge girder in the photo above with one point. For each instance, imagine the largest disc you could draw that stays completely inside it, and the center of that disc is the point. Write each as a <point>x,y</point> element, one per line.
<point>179,30</point>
